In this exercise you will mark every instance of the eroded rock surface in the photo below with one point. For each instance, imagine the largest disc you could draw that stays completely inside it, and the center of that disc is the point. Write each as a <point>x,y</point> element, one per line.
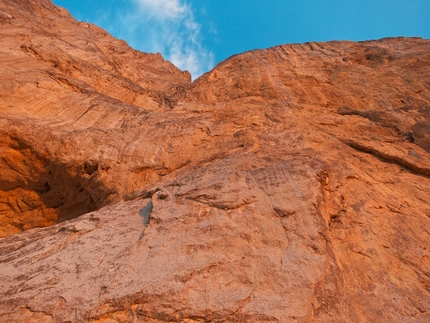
<point>63,82</point>
<point>287,185</point>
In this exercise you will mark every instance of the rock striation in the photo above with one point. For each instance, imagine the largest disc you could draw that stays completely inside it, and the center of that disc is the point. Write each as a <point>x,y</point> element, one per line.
<point>289,184</point>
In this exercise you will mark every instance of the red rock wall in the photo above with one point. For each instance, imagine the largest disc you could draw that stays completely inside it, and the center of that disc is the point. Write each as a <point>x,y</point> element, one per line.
<point>287,185</point>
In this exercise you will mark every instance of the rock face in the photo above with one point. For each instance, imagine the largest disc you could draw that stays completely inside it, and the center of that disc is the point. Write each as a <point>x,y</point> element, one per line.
<point>63,82</point>
<point>287,185</point>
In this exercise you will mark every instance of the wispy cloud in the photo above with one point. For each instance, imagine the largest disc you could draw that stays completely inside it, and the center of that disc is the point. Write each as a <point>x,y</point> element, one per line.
<point>168,27</point>
<point>164,9</point>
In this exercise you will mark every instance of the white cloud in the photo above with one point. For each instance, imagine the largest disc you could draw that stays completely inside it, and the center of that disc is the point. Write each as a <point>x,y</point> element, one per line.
<point>163,9</point>
<point>168,27</point>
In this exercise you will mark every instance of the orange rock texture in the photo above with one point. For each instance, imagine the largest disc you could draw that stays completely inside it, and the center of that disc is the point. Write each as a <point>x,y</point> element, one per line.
<point>290,184</point>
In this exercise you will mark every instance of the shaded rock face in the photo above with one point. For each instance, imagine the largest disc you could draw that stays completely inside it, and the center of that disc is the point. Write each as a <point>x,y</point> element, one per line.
<point>287,185</point>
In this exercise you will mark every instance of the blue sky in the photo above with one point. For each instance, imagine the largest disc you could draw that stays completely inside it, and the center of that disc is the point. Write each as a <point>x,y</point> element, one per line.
<point>197,34</point>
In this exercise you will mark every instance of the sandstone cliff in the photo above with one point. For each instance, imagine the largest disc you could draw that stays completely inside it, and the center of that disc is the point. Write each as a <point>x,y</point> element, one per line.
<point>287,185</point>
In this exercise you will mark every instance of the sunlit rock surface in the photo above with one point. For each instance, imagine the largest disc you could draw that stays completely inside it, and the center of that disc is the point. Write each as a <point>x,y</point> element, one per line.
<point>290,184</point>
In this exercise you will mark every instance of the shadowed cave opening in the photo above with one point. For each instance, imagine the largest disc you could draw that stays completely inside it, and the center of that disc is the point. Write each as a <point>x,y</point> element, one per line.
<point>39,191</point>
<point>64,191</point>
